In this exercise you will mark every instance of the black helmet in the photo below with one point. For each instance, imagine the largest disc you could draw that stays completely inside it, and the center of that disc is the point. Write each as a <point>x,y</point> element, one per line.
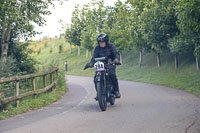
<point>102,38</point>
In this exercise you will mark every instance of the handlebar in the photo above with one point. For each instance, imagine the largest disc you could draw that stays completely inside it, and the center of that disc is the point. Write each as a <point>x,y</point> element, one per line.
<point>106,65</point>
<point>103,59</point>
<point>100,59</point>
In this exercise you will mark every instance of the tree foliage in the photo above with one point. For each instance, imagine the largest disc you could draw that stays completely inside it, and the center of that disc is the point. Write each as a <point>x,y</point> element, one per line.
<point>159,26</point>
<point>17,20</point>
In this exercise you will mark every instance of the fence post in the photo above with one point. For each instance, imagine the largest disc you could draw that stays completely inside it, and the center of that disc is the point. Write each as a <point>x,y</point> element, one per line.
<point>44,81</point>
<point>56,74</point>
<point>17,93</point>
<point>56,78</point>
<point>51,78</point>
<point>34,87</point>
<point>51,81</point>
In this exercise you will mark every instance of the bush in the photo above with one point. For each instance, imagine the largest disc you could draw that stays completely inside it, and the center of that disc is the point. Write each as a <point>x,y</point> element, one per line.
<point>39,51</point>
<point>51,50</point>
<point>60,48</point>
<point>19,59</point>
<point>9,69</point>
<point>46,43</point>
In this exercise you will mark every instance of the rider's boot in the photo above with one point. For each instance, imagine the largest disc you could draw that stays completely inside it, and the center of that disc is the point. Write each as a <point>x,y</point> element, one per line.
<point>96,98</point>
<point>117,94</point>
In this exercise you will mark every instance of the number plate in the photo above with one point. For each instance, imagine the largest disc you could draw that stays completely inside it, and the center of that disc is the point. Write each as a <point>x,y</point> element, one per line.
<point>99,66</point>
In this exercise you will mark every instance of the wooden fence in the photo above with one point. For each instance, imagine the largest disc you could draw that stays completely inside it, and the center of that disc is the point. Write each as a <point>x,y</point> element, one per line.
<point>53,80</point>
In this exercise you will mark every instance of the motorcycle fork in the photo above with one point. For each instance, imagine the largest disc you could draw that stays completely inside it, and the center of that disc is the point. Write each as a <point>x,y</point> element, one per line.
<point>100,77</point>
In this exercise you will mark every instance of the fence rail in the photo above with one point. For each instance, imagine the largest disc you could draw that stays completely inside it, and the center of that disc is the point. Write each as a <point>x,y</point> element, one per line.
<point>53,80</point>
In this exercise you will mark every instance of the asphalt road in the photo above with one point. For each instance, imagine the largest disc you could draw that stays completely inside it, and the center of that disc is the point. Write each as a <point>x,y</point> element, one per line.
<point>143,108</point>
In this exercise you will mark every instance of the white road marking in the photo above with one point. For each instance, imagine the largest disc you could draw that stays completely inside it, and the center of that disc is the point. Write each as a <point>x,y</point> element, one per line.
<point>88,93</point>
<point>80,103</point>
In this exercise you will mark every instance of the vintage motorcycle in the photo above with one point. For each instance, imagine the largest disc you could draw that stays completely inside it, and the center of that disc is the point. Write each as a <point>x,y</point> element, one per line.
<point>103,84</point>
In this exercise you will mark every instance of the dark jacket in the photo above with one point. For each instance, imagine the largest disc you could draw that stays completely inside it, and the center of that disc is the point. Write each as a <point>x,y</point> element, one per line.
<point>109,51</point>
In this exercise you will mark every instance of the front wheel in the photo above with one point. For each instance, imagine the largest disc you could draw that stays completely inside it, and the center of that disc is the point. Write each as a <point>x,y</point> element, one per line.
<point>112,96</point>
<point>101,96</point>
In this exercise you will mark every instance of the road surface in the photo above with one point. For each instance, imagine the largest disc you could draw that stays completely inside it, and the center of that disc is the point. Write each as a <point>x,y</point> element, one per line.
<point>143,108</point>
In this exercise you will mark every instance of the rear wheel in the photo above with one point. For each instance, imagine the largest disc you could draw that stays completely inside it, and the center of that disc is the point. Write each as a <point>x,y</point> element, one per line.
<point>101,96</point>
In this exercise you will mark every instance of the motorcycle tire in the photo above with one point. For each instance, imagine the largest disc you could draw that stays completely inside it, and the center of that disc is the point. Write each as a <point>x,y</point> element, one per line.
<point>101,96</point>
<point>112,98</point>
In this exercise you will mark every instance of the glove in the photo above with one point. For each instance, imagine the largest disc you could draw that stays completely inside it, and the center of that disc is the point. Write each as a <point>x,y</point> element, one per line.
<point>87,66</point>
<point>117,62</point>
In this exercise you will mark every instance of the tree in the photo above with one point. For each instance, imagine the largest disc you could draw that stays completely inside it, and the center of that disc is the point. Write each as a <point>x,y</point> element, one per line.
<point>89,28</point>
<point>158,24</point>
<point>87,41</point>
<point>76,27</point>
<point>179,45</point>
<point>189,23</point>
<point>17,18</point>
<point>68,37</point>
<point>93,17</point>
<point>118,27</point>
<point>135,21</point>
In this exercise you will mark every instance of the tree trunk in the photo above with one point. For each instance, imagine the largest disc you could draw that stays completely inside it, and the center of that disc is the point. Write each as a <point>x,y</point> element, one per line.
<point>3,44</point>
<point>64,42</point>
<point>197,63</point>
<point>140,59</point>
<point>121,59</point>
<point>87,52</point>
<point>158,60</point>
<point>5,37</point>
<point>70,49</point>
<point>176,61</point>
<point>79,50</point>
<point>91,53</point>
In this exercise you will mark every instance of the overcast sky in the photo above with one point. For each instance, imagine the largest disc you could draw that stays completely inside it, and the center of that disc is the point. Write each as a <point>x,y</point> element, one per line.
<point>63,12</point>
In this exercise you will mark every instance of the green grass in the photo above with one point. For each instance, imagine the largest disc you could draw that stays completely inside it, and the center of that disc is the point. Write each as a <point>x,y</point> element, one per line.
<point>185,78</point>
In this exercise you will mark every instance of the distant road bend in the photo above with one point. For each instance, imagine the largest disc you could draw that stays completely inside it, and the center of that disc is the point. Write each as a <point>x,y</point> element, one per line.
<point>143,108</point>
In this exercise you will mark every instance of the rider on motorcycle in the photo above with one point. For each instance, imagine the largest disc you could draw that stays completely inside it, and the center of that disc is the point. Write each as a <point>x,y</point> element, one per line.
<point>108,50</point>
